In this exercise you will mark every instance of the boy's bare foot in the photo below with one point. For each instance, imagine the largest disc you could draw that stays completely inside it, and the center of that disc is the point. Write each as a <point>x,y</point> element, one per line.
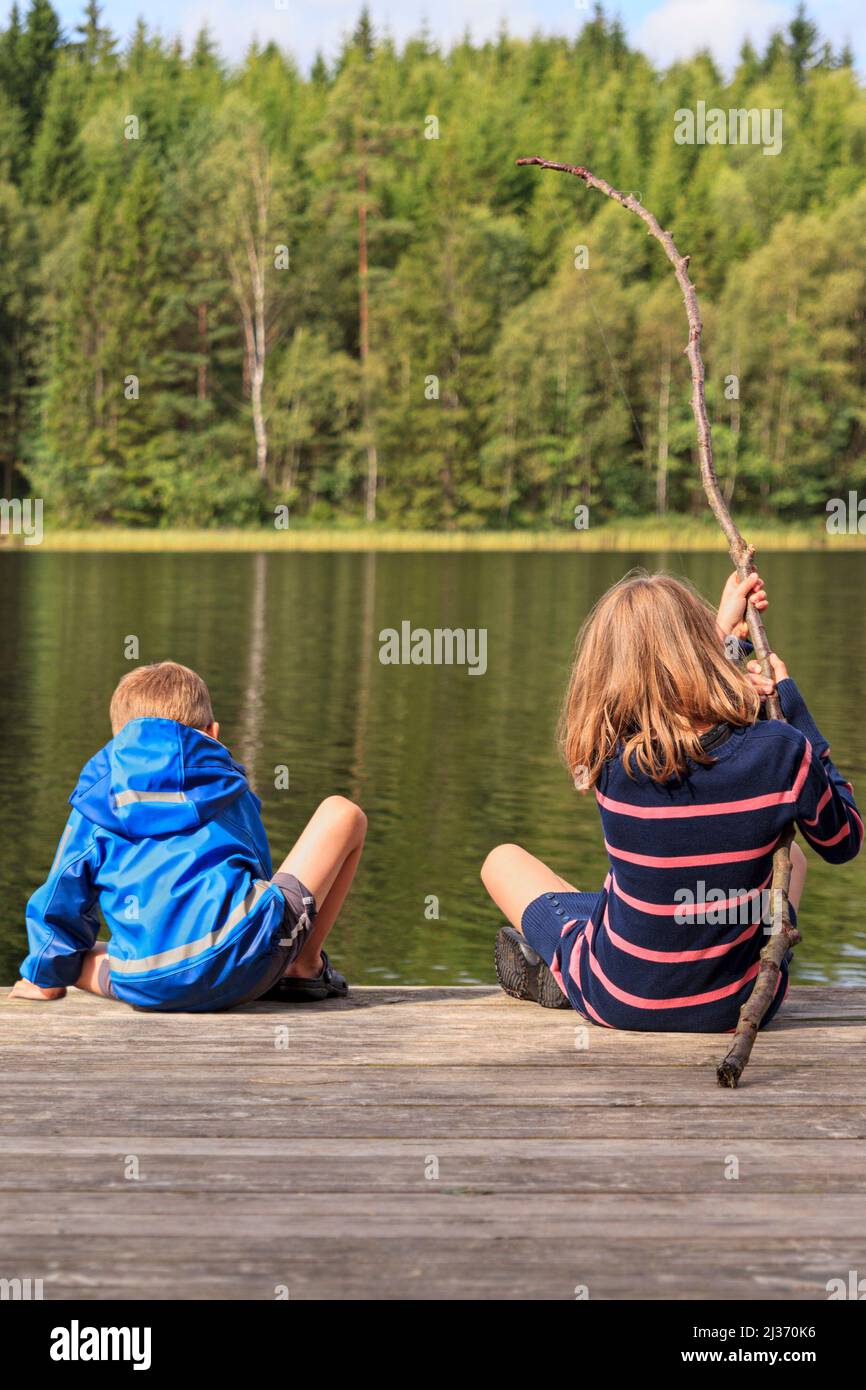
<point>23,989</point>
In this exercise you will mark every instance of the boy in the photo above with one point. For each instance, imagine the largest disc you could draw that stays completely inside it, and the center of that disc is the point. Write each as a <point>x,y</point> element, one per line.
<point>166,838</point>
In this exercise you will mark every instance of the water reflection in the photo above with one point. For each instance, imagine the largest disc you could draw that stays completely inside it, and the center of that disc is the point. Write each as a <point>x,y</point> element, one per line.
<point>445,764</point>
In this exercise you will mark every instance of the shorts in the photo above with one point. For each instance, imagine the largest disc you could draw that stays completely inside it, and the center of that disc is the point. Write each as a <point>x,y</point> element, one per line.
<point>299,914</point>
<point>554,920</point>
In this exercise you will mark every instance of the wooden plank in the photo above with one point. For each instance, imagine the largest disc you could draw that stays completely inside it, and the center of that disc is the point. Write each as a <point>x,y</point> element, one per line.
<point>150,1092</point>
<point>391,1119</point>
<point>825,1046</point>
<point>369,1042</point>
<point>578,1166</point>
<point>724,1214</point>
<point>450,1120</point>
<point>308,1166</point>
<point>518,1267</point>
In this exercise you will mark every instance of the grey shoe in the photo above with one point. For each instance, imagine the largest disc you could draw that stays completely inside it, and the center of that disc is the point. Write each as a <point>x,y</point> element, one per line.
<point>523,974</point>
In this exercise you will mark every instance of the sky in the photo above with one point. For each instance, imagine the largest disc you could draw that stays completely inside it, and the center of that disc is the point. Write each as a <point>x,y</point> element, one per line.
<point>664,29</point>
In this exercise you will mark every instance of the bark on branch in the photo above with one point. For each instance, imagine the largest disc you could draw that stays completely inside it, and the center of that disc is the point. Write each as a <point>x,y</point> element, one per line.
<point>783,935</point>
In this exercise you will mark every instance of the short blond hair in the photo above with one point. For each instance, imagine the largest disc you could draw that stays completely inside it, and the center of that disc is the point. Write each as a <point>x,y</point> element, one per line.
<point>163,690</point>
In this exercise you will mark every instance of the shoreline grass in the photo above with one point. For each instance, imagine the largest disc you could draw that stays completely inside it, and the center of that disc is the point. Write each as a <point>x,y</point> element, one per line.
<point>650,534</point>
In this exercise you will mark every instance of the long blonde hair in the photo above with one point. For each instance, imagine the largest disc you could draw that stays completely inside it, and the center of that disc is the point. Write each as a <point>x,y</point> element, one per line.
<point>649,667</point>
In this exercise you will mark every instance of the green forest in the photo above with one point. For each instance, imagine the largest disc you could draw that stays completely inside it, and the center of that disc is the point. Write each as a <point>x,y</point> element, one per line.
<point>229,289</point>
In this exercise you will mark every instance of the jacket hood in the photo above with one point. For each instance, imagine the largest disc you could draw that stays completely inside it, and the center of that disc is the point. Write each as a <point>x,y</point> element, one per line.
<point>157,777</point>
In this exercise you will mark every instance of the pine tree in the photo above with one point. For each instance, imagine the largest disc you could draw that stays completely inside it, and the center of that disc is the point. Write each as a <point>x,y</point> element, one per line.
<point>13,77</point>
<point>73,464</point>
<point>39,48</point>
<point>364,39</point>
<point>57,172</point>
<point>803,40</point>
<point>16,286</point>
<point>97,43</point>
<point>204,54</point>
<point>319,72</point>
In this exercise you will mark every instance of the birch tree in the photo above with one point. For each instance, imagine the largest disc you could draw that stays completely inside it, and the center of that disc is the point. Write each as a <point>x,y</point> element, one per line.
<point>246,209</point>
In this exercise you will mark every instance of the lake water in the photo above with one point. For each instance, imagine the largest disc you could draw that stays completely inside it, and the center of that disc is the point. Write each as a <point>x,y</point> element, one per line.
<point>446,764</point>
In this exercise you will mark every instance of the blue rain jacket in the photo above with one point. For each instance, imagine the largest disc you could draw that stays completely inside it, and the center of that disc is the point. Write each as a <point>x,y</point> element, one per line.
<point>166,839</point>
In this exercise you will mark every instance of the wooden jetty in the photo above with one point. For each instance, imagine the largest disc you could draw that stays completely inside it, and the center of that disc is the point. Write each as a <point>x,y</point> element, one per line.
<point>426,1143</point>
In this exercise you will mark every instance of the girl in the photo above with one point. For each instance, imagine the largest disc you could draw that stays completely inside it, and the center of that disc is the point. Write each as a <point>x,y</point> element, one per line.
<point>694,787</point>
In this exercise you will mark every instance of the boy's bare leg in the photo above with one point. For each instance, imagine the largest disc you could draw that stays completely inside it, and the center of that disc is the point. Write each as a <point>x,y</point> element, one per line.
<point>514,878</point>
<point>325,859</point>
<point>87,980</point>
<point>90,968</point>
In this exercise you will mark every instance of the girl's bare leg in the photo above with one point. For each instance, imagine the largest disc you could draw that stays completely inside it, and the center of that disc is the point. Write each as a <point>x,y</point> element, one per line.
<point>325,858</point>
<point>514,879</point>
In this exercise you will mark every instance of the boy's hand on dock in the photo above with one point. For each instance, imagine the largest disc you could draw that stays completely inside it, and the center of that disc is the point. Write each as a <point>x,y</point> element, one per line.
<point>732,605</point>
<point>23,989</point>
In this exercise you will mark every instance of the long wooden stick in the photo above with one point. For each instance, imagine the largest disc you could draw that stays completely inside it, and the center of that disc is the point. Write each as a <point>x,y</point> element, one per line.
<point>783,936</point>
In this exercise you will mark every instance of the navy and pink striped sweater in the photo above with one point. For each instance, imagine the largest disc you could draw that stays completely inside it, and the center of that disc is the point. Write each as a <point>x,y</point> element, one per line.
<point>673,941</point>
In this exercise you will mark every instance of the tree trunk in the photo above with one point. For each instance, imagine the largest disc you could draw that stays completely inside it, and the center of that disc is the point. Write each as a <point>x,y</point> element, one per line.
<point>730,481</point>
<point>664,427</point>
<point>201,385</point>
<point>510,447</point>
<point>364,343</point>
<point>256,249</point>
<point>250,291</point>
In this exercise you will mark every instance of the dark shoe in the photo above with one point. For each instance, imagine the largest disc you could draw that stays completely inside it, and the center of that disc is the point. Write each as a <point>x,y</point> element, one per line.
<point>523,974</point>
<point>296,989</point>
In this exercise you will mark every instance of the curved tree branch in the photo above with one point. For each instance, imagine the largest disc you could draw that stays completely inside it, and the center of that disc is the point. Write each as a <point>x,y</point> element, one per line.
<point>783,935</point>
